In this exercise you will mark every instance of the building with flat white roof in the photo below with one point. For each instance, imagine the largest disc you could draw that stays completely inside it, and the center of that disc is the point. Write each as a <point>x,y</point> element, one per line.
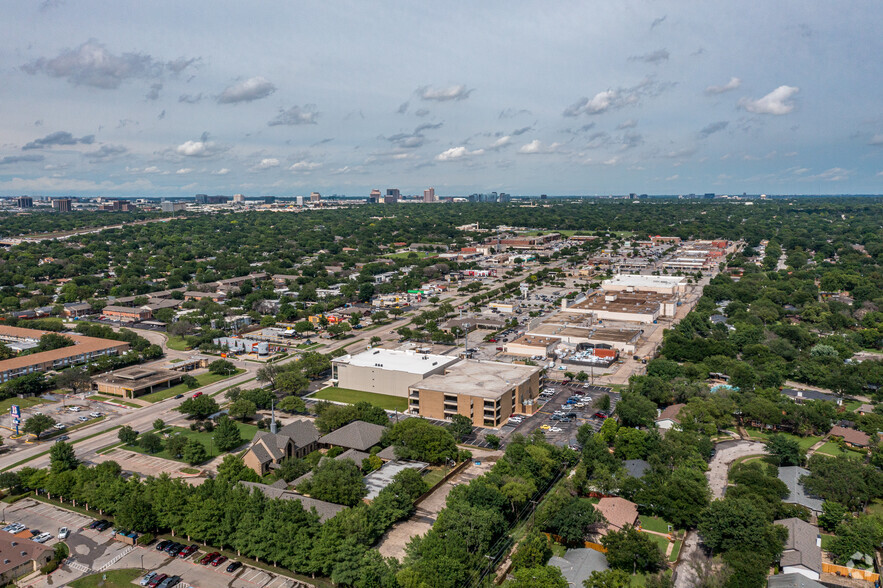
<point>387,371</point>
<point>488,392</point>
<point>658,284</point>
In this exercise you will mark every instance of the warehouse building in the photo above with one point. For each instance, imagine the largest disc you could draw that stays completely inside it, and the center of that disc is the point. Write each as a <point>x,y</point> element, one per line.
<point>670,285</point>
<point>386,371</point>
<point>487,392</point>
<point>126,314</point>
<point>623,340</point>
<point>83,350</point>
<point>635,307</point>
<point>532,346</point>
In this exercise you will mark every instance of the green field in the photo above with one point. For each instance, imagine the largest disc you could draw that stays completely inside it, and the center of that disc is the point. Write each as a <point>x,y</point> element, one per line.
<point>203,379</point>
<point>434,476</point>
<point>654,524</point>
<point>564,233</point>
<point>662,542</point>
<point>22,402</point>
<point>876,508</point>
<point>804,442</point>
<point>177,343</point>
<point>115,579</point>
<point>407,254</point>
<point>383,401</point>
<point>675,550</point>
<point>831,448</point>
<point>826,541</point>
<point>247,432</point>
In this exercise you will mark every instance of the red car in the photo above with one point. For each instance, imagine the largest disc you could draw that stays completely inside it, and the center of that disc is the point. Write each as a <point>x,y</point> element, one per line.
<point>208,558</point>
<point>187,551</point>
<point>218,560</point>
<point>197,395</point>
<point>157,579</point>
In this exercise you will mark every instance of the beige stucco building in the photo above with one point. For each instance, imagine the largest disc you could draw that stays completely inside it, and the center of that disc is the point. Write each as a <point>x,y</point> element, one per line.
<point>488,392</point>
<point>387,371</point>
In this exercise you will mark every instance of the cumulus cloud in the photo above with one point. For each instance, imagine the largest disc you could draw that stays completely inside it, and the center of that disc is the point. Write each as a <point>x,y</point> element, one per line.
<point>296,116</point>
<point>201,148</point>
<point>455,153</point>
<point>536,146</point>
<point>834,174</point>
<point>713,128</point>
<point>267,163</point>
<point>627,124</point>
<point>512,113</point>
<point>184,171</point>
<point>91,64</point>
<point>106,152</point>
<point>11,159</point>
<point>777,102</point>
<point>247,91</point>
<point>415,139</point>
<point>876,140</point>
<point>731,85</point>
<point>221,172</point>
<point>58,138</point>
<point>654,57</point>
<point>615,99</point>
<point>521,131</point>
<point>153,93</point>
<point>459,92</point>
<point>672,178</point>
<point>501,142</point>
<point>304,166</point>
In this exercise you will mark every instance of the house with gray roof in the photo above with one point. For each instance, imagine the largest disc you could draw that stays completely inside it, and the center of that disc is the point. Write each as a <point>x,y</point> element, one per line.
<point>792,581</point>
<point>325,510</point>
<point>636,468</point>
<point>803,549</point>
<point>356,456</point>
<point>791,476</point>
<point>267,450</point>
<point>357,435</point>
<point>578,564</point>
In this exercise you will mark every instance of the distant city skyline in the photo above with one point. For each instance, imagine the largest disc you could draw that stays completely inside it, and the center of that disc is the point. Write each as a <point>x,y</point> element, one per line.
<point>124,98</point>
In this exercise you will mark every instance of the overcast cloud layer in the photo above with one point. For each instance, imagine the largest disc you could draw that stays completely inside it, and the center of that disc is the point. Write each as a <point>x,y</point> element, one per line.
<point>119,97</point>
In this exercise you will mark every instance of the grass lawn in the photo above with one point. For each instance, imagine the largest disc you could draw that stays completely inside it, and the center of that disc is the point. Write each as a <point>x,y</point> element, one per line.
<point>831,448</point>
<point>640,580</point>
<point>407,254</point>
<point>115,579</point>
<point>178,343</point>
<point>434,476</point>
<point>675,550</point>
<point>565,233</point>
<point>662,542</point>
<point>876,507</point>
<point>383,401</point>
<point>804,442</point>
<point>852,405</point>
<point>190,470</point>
<point>22,402</point>
<point>654,524</point>
<point>203,379</point>
<point>826,541</point>
<point>247,432</point>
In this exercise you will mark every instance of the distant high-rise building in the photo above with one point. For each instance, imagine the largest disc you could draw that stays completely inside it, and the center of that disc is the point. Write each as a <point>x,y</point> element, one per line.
<point>392,195</point>
<point>62,204</point>
<point>269,199</point>
<point>504,197</point>
<point>238,198</point>
<point>299,200</point>
<point>543,197</point>
<point>115,206</point>
<point>315,197</point>
<point>709,195</point>
<point>205,199</point>
<point>24,202</point>
<point>376,197</point>
<point>429,195</point>
<point>173,206</point>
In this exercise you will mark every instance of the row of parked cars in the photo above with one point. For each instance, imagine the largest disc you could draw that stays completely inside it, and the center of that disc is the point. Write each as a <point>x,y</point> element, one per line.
<point>36,535</point>
<point>155,580</point>
<point>175,549</point>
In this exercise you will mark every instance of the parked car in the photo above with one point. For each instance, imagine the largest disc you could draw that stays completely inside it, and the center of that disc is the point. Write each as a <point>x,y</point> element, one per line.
<point>219,560</point>
<point>84,418</point>
<point>63,533</point>
<point>94,415</point>
<point>42,537</point>
<point>102,526</point>
<point>147,578</point>
<point>156,580</point>
<point>169,582</point>
<point>74,408</point>
<point>188,551</point>
<point>97,524</point>
<point>176,549</point>
<point>161,546</point>
<point>235,565</point>
<point>59,426</point>
<point>207,559</point>
<point>61,438</point>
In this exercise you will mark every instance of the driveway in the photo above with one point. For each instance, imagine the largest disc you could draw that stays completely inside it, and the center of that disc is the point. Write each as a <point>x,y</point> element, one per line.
<point>727,453</point>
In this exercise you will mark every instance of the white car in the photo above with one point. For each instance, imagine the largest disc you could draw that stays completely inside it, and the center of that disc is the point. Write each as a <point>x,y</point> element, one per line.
<point>555,430</point>
<point>42,537</point>
<point>74,408</point>
<point>94,415</point>
<point>63,533</point>
<point>59,426</point>
<point>84,418</point>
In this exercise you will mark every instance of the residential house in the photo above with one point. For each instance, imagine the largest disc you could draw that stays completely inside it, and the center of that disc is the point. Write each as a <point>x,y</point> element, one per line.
<point>791,476</point>
<point>76,309</point>
<point>618,512</point>
<point>636,468</point>
<point>668,418</point>
<point>865,409</point>
<point>126,314</point>
<point>20,557</point>
<point>792,581</point>
<point>357,435</point>
<point>803,549</point>
<point>852,437</point>
<point>325,510</point>
<point>267,450</point>
<point>577,565</point>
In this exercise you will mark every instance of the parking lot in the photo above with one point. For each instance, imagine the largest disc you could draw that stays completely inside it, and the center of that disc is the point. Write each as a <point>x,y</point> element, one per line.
<point>64,414</point>
<point>567,433</point>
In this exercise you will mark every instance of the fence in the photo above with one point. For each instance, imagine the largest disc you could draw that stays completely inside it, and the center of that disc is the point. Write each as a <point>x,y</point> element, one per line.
<point>588,544</point>
<point>854,573</point>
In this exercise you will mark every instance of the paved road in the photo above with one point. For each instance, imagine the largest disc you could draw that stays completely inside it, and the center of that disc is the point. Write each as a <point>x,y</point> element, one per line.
<point>727,453</point>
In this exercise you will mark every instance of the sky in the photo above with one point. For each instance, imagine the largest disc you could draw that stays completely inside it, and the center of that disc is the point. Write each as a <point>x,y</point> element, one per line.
<point>167,98</point>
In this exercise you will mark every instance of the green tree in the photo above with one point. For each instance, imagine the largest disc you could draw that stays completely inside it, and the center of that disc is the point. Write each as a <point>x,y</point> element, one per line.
<point>292,468</point>
<point>175,445</point>
<point>461,426</point>
<point>420,440</point>
<point>292,404</point>
<point>150,442</point>
<point>221,367</point>
<point>833,513</point>
<point>630,550</point>
<point>227,435</point>
<point>493,441</point>
<point>862,534</point>
<point>242,409</point>
<point>635,410</point>
<point>136,513</point>
<point>75,379</point>
<point>337,481</point>
<point>292,382</point>
<point>194,452</point>
<point>731,524</point>
<point>62,457</point>
<point>232,469</point>
<point>785,451</point>
<point>538,577</point>
<point>128,435</point>
<point>51,341</point>
<point>576,521</point>
<point>200,407</point>
<point>159,425</point>
<point>533,551</point>
<point>608,579</point>
<point>190,381</point>
<point>37,424</point>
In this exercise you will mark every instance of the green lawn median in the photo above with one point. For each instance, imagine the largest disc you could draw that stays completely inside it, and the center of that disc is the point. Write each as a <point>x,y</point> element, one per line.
<point>348,396</point>
<point>203,379</point>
